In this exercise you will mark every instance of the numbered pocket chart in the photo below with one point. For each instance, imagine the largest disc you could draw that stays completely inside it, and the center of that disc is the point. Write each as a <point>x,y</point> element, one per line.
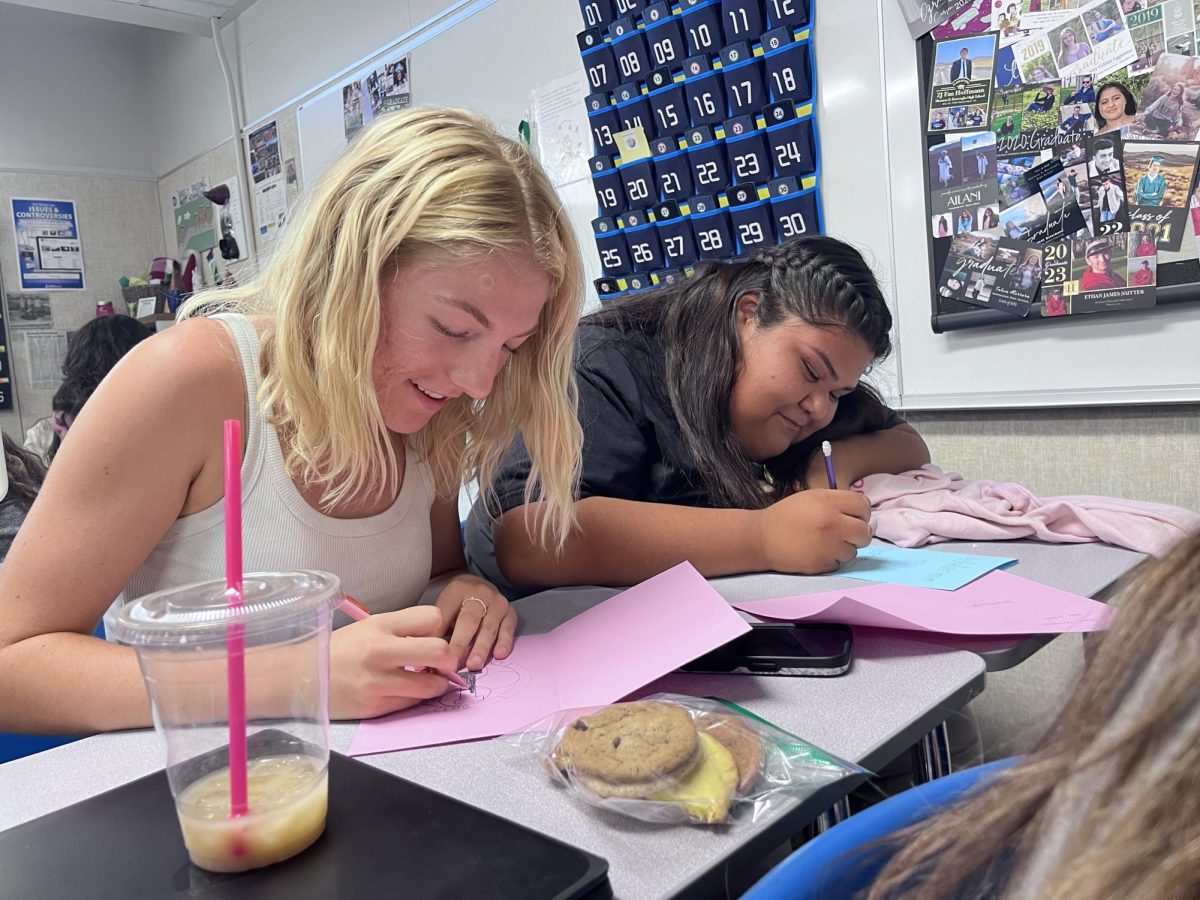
<point>724,92</point>
<point>1094,270</point>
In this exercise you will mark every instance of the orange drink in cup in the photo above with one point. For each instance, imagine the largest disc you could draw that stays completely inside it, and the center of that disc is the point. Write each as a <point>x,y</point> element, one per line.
<point>182,638</point>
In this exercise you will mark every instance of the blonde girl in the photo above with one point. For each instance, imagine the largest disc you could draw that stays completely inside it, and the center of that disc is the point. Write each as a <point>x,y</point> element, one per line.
<point>418,311</point>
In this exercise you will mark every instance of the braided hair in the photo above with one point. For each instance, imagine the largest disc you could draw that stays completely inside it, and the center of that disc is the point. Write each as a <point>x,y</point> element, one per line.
<point>819,280</point>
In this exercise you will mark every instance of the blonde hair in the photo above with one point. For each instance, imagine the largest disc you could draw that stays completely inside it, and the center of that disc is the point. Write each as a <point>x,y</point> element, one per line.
<point>412,184</point>
<point>1108,804</point>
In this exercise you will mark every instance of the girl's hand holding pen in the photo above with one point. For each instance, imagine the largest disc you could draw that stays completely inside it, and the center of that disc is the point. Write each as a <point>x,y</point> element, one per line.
<point>813,531</point>
<point>390,661</point>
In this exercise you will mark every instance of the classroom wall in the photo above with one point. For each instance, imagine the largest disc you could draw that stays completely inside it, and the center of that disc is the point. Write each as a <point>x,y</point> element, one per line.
<point>284,48</point>
<point>288,47</point>
<point>74,93</point>
<point>76,118</point>
<point>121,232</point>
<point>1140,452</point>
<point>188,96</point>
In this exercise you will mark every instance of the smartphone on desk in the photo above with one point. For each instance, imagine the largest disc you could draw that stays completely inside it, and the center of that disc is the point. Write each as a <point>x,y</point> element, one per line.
<point>781,648</point>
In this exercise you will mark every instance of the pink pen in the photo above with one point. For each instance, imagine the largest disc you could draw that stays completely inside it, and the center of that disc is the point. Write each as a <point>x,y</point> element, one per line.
<point>355,610</point>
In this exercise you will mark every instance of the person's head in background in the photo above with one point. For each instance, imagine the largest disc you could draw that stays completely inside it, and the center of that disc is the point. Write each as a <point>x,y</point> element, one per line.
<point>1107,805</point>
<point>23,476</point>
<point>95,349</point>
<point>1115,106</point>
<point>764,360</point>
<point>431,266</point>
<point>25,472</point>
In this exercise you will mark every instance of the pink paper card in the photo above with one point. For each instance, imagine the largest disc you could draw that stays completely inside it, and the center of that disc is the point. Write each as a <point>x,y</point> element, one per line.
<point>598,657</point>
<point>997,603</point>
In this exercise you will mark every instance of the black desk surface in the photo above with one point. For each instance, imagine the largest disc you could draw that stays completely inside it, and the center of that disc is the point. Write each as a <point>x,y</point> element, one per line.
<point>384,836</point>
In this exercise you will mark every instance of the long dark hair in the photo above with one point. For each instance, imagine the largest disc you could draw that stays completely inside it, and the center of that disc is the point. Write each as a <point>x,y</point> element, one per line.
<point>25,471</point>
<point>96,348</point>
<point>821,281</point>
<point>1130,103</point>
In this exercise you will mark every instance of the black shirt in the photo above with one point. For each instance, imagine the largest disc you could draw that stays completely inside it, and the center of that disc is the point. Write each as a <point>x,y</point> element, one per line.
<point>632,449</point>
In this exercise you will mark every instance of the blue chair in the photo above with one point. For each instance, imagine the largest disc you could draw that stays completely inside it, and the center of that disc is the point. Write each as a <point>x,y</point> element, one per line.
<point>14,746</point>
<point>847,858</point>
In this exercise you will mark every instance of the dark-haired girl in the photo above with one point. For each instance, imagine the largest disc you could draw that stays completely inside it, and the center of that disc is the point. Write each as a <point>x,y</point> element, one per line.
<point>22,479</point>
<point>95,349</point>
<point>703,407</point>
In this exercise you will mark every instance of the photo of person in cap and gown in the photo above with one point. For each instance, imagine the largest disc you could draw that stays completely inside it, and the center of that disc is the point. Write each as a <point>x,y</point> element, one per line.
<point>1099,275</point>
<point>1151,187</point>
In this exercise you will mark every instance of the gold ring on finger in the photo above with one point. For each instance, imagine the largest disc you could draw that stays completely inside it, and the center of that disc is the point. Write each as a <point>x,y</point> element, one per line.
<point>478,600</point>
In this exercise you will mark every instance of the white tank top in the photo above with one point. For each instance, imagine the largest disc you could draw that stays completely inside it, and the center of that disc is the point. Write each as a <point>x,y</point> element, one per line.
<point>383,561</point>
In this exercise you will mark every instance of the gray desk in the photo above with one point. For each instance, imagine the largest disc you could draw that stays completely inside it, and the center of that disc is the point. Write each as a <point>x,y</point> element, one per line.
<point>1086,569</point>
<point>896,690</point>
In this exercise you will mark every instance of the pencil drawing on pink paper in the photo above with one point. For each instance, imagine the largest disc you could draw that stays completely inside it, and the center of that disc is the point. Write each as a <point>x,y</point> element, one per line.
<point>500,679</point>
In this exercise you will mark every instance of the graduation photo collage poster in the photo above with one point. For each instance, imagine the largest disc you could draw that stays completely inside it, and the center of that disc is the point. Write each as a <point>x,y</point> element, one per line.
<point>1062,144</point>
<point>705,137</point>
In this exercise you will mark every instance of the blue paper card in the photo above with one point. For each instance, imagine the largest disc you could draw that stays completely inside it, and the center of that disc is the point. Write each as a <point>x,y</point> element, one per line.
<point>920,568</point>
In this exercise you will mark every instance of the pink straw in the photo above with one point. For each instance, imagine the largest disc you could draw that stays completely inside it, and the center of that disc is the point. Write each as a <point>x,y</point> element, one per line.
<point>235,644</point>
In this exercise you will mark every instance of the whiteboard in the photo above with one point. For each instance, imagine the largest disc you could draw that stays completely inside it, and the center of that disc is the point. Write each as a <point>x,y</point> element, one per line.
<point>1097,359</point>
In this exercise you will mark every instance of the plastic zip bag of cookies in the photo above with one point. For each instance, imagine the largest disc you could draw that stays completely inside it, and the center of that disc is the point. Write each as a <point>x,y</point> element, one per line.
<point>673,758</point>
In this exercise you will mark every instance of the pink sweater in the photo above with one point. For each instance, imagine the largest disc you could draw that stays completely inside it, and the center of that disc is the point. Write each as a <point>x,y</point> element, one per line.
<point>927,505</point>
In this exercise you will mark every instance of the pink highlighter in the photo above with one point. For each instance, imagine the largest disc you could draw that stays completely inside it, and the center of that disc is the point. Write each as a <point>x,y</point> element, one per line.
<point>358,612</point>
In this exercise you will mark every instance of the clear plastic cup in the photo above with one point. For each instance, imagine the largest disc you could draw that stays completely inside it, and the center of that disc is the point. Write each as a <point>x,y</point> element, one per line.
<point>180,637</point>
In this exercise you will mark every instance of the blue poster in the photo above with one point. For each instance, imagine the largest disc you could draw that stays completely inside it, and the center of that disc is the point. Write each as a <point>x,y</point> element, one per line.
<point>49,252</point>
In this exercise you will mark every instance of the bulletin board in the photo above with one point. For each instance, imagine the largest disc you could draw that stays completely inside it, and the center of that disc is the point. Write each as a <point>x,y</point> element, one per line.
<point>1103,359</point>
<point>1178,274</point>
